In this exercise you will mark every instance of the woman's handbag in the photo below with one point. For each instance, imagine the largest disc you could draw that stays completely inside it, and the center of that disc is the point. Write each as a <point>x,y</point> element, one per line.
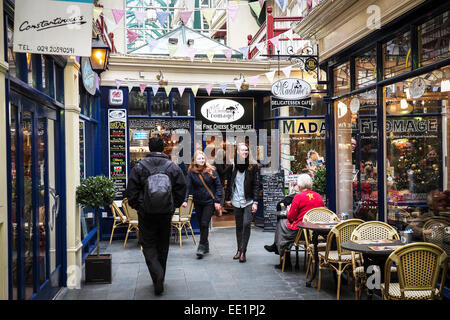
<point>217,213</point>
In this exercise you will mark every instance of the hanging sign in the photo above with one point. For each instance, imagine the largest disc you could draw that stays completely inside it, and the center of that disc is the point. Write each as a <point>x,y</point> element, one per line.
<point>117,138</point>
<point>115,97</point>
<point>222,110</point>
<point>88,75</point>
<point>57,27</point>
<point>417,88</point>
<point>291,89</point>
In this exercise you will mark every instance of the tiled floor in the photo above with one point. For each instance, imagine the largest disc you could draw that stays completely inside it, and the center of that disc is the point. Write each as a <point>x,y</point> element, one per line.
<point>216,276</point>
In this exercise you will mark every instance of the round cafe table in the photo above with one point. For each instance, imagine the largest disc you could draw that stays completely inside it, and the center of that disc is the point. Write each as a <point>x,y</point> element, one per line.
<point>318,229</point>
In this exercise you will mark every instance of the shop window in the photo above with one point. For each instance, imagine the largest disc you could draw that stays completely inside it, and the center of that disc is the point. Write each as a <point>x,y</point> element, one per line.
<point>47,76</point>
<point>181,105</point>
<point>12,58</point>
<point>366,68</point>
<point>31,69</point>
<point>137,103</point>
<point>160,105</point>
<point>59,83</point>
<point>416,146</point>
<point>356,153</point>
<point>434,38</point>
<point>341,76</point>
<point>397,55</point>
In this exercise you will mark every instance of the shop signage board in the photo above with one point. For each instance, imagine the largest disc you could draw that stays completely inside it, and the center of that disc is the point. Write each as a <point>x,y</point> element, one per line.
<point>273,192</point>
<point>303,126</point>
<point>223,114</point>
<point>82,150</point>
<point>117,141</point>
<point>54,27</point>
<point>115,97</point>
<point>88,75</point>
<point>291,92</point>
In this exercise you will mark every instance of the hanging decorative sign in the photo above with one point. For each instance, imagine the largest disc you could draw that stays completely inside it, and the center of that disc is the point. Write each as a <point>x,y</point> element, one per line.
<point>88,75</point>
<point>117,137</point>
<point>115,97</point>
<point>222,110</point>
<point>53,27</point>
<point>354,105</point>
<point>300,103</point>
<point>291,89</point>
<point>417,88</point>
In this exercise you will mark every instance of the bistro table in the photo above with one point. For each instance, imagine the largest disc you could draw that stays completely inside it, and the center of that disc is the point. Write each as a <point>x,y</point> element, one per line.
<point>377,251</point>
<point>317,229</point>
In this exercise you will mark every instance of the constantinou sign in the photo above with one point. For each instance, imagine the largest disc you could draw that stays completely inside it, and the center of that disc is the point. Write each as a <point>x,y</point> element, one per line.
<point>59,27</point>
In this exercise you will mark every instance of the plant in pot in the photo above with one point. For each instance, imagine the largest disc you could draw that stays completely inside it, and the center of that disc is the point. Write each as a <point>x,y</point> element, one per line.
<point>320,182</point>
<point>97,192</point>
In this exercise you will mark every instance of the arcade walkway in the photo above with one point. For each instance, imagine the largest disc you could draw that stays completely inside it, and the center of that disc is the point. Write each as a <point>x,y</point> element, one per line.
<point>216,276</point>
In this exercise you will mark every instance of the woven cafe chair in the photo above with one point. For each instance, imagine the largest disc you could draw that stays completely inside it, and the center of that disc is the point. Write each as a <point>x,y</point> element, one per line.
<point>298,244</point>
<point>132,216</point>
<point>316,215</point>
<point>418,267</point>
<point>438,234</point>
<point>182,220</point>
<point>370,230</point>
<point>338,260</point>
<point>120,220</point>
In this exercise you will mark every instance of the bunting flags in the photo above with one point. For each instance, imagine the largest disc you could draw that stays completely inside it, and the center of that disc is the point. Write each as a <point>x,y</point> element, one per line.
<point>275,41</point>
<point>208,88</point>
<point>168,89</point>
<point>244,51</point>
<point>181,90</point>
<point>261,46</point>
<point>208,14</point>
<point>261,3</point>
<point>155,89</point>
<point>270,76</point>
<point>210,55</point>
<point>185,16</point>
<point>110,25</point>
<point>97,11</point>
<point>254,80</point>
<point>151,43</point>
<point>162,17</point>
<point>131,36</point>
<point>287,71</point>
<point>118,83</point>
<point>228,53</point>
<point>140,16</point>
<point>282,4</point>
<point>223,86</point>
<point>142,86</point>
<point>232,11</point>
<point>191,53</point>
<point>118,14</point>
<point>130,86</point>
<point>238,84</point>
<point>194,90</point>
<point>256,7</point>
<point>172,49</point>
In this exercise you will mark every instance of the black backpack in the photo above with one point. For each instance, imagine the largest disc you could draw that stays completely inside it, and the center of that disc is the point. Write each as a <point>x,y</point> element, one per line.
<point>158,198</point>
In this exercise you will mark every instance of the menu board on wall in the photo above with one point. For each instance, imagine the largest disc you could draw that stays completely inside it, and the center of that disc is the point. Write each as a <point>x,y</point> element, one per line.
<point>117,138</point>
<point>273,192</point>
<point>82,150</point>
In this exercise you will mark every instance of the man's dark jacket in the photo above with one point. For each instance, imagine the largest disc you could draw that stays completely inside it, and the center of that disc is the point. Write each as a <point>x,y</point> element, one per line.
<point>139,174</point>
<point>251,183</point>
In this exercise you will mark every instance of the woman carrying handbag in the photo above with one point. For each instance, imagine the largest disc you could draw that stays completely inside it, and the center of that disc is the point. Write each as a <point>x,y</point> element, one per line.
<point>203,183</point>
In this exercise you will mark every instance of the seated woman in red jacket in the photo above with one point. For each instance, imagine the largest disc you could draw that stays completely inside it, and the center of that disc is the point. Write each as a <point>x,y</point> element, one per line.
<point>287,228</point>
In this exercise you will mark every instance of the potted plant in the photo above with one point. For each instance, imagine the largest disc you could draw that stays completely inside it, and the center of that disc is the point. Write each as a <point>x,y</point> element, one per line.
<point>320,182</point>
<point>97,192</point>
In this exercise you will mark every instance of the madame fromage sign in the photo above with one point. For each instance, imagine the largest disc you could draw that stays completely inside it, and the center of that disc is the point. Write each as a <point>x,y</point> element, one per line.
<point>58,27</point>
<point>222,110</point>
<point>291,92</point>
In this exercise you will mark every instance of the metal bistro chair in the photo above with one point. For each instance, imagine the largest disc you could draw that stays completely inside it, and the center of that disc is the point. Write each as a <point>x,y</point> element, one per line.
<point>120,220</point>
<point>316,215</point>
<point>132,216</point>
<point>183,219</point>
<point>370,230</point>
<point>418,267</point>
<point>438,234</point>
<point>298,244</point>
<point>338,260</point>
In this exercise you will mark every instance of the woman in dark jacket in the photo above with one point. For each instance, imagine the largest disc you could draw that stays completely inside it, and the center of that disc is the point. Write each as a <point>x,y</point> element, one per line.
<point>203,183</point>
<point>242,193</point>
<point>224,170</point>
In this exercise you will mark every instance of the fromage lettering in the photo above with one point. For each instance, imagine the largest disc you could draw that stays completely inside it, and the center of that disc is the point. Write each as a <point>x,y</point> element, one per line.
<point>48,24</point>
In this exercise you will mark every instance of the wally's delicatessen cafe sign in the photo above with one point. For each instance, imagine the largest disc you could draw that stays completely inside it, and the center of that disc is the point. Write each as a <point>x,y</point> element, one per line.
<point>291,92</point>
<point>58,27</point>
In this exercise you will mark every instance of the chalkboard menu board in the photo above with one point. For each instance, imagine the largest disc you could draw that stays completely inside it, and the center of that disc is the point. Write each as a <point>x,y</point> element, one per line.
<point>117,137</point>
<point>82,150</point>
<point>273,192</point>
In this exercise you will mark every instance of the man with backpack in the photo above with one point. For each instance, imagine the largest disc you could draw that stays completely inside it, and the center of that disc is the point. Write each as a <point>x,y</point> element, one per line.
<point>156,187</point>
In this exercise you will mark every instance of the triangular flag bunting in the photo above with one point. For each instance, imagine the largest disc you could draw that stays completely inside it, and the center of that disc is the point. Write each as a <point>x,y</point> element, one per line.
<point>232,11</point>
<point>282,4</point>
<point>223,86</point>
<point>191,53</point>
<point>261,3</point>
<point>185,15</point>
<point>96,12</point>
<point>110,25</point>
<point>254,80</point>
<point>244,51</point>
<point>155,89</point>
<point>131,36</point>
<point>275,41</point>
<point>151,43</point>
<point>142,86</point>
<point>208,88</point>
<point>256,7</point>
<point>194,90</point>
<point>210,55</point>
<point>208,14</point>
<point>261,46</point>
<point>228,53</point>
<point>238,83</point>
<point>288,34</point>
<point>287,71</point>
<point>172,49</point>
<point>270,75</point>
<point>118,14</point>
<point>140,16</point>
<point>162,17</point>
<point>118,83</point>
<point>130,86</point>
<point>168,89</point>
<point>181,90</point>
